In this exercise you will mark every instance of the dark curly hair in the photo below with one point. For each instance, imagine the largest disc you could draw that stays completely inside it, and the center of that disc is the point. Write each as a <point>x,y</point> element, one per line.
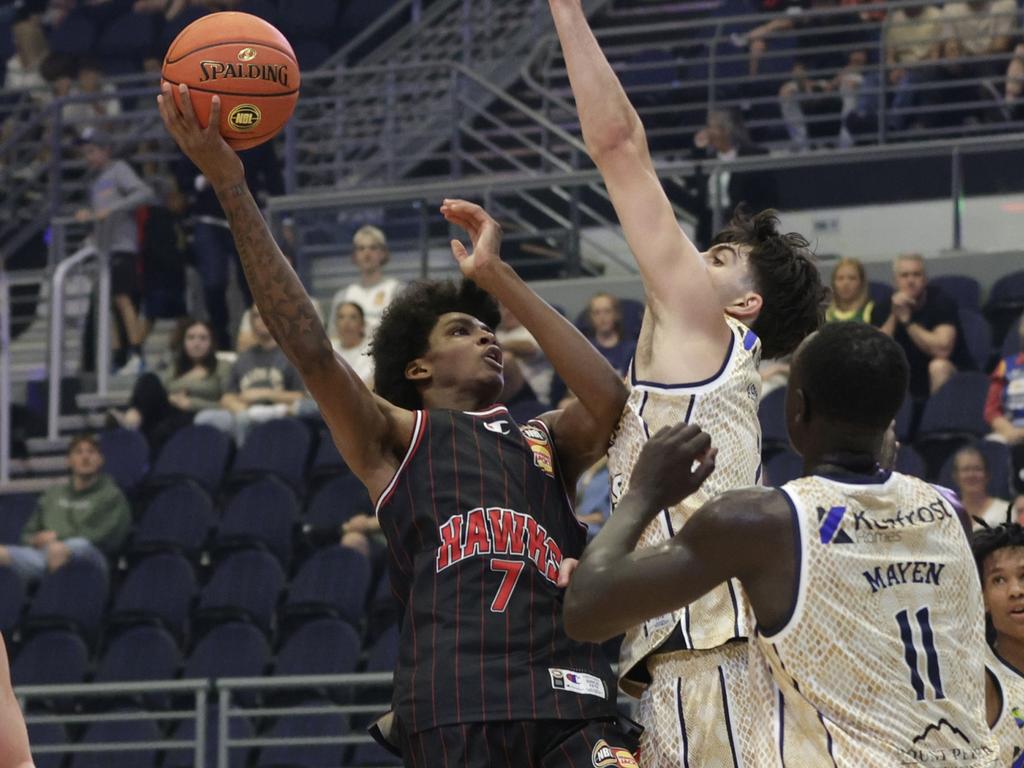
<point>986,541</point>
<point>404,331</point>
<point>783,270</point>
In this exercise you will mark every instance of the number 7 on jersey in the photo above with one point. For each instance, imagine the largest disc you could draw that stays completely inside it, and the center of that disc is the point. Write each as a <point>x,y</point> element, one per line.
<point>509,570</point>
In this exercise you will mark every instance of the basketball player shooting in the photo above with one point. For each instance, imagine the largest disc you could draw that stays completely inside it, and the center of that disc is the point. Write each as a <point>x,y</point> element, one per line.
<point>475,507</point>
<point>869,617</point>
<point>710,316</point>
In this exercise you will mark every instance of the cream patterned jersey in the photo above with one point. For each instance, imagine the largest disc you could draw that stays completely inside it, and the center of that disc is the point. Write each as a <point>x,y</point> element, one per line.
<point>724,406</point>
<point>879,663</point>
<point>1009,726</point>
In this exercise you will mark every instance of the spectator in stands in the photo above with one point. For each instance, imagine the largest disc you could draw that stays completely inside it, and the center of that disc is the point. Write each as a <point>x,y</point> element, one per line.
<point>517,394</point>
<point>262,386</point>
<point>830,50</point>
<point>593,497</point>
<point>115,191</point>
<point>164,254</point>
<point>349,340</point>
<point>725,137</point>
<point>90,83</point>
<point>161,405</point>
<point>88,517</point>
<point>523,352</point>
<point>374,291</point>
<point>214,248</point>
<point>605,316</point>
<point>976,33</point>
<point>23,68</point>
<point>1004,407</point>
<point>970,478</point>
<point>850,300</point>
<point>912,39</point>
<point>1013,94</point>
<point>926,324</point>
<point>14,747</point>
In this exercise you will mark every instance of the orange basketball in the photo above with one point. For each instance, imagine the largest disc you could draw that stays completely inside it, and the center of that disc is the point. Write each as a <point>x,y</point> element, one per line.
<point>245,61</point>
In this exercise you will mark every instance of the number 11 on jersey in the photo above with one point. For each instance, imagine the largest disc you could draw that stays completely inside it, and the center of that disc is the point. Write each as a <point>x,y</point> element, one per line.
<point>911,653</point>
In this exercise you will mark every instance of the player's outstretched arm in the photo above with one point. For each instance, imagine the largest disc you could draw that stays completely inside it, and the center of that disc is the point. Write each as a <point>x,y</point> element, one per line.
<point>582,430</point>
<point>679,292</point>
<point>616,587</point>
<point>369,431</point>
<point>14,750</point>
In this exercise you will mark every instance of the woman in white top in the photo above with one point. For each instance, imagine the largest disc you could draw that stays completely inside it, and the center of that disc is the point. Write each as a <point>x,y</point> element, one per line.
<point>349,340</point>
<point>971,476</point>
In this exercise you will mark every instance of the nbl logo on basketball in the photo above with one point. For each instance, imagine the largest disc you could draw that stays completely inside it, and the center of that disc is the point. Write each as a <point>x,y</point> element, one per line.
<point>245,117</point>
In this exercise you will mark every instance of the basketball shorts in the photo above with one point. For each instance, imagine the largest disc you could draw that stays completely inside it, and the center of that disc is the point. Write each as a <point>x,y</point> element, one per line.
<point>692,710</point>
<point>124,276</point>
<point>525,744</point>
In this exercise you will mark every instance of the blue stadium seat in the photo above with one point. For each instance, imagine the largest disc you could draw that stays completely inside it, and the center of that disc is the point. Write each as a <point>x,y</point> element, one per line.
<point>158,588</point>
<point>246,584</point>
<point>74,35</point>
<point>327,462</point>
<point>334,582</point>
<point>119,731</point>
<point>130,37</point>
<point>141,653</point>
<point>952,417</point>
<point>374,755</point>
<point>125,457</point>
<point>197,452</point>
<point>53,657</point>
<point>280,447</point>
<point>73,596</point>
<point>772,414</point>
<point>1004,304</point>
<point>978,337</point>
<point>47,735</point>
<point>964,290</point>
<point>235,649</point>
<point>294,726</point>
<point>262,514</point>
<point>1011,342</point>
<point>877,291</point>
<point>384,653</point>
<point>336,501</point>
<point>178,518</point>
<point>909,462</point>
<point>784,466</point>
<point>12,599</point>
<point>997,458</point>
<point>185,730</point>
<point>905,419</point>
<point>324,646</point>
<point>15,510</point>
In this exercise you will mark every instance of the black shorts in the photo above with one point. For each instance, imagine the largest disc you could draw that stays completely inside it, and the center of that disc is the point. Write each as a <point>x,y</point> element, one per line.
<point>525,744</point>
<point>124,277</point>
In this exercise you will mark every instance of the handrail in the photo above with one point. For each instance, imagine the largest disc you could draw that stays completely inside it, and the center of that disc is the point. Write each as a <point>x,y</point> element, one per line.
<point>55,368</point>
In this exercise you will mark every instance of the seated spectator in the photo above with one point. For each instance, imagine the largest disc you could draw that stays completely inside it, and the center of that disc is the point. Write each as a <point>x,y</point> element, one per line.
<point>850,300</point>
<point>1004,407</point>
<point>523,354</point>
<point>97,112</point>
<point>374,291</point>
<point>1013,96</point>
<point>926,323</point>
<point>262,386</point>
<point>606,333</point>
<point>349,340</point>
<point>970,478</point>
<point>725,137</point>
<point>30,50</point>
<point>976,33</point>
<point>594,497</point>
<point>88,517</point>
<point>161,405</point>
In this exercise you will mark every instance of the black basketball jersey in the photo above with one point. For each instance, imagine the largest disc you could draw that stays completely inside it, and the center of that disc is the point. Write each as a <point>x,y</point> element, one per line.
<point>477,523</point>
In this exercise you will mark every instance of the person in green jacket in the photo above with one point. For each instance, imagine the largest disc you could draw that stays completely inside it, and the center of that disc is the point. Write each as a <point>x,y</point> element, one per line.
<point>88,517</point>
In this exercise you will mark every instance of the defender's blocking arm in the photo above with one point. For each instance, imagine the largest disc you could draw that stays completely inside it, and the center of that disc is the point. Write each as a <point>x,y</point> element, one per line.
<point>369,431</point>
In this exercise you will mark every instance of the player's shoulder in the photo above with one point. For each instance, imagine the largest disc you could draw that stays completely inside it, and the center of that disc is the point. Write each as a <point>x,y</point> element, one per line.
<point>754,509</point>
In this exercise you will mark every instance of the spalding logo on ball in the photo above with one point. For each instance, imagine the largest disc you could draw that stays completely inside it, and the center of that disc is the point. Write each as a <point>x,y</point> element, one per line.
<point>244,60</point>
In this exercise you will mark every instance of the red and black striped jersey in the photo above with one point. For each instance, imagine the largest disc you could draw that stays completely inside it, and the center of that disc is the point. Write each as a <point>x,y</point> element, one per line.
<point>477,524</point>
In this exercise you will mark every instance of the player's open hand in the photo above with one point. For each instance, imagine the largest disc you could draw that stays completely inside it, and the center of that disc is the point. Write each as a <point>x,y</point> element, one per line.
<point>204,146</point>
<point>484,234</point>
<point>672,465</point>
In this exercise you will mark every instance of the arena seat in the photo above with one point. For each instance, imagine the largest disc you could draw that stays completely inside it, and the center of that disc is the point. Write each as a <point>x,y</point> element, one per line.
<point>977,336</point>
<point>964,290</point>
<point>1011,342</point>
<point>130,37</point>
<point>73,596</point>
<point>327,462</point>
<point>953,415</point>
<point>784,466</point>
<point>772,414</point>
<point>53,657</point>
<point>305,756</point>
<point>280,447</point>
<point>137,654</point>
<point>909,462</point>
<point>179,518</point>
<point>246,584</point>
<point>1005,302</point>
<point>997,458</point>
<point>159,588</point>
<point>75,35</point>
<point>15,510</point>
<point>125,457</point>
<point>905,419</point>
<point>196,452</point>
<point>185,730</point>
<point>115,731</point>
<point>333,582</point>
<point>234,649</point>
<point>325,646</point>
<point>12,599</point>
<point>262,514</point>
<point>47,735</point>
<point>336,501</point>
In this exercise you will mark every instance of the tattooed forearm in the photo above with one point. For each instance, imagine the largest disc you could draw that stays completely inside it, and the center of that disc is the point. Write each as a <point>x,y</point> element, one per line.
<point>283,302</point>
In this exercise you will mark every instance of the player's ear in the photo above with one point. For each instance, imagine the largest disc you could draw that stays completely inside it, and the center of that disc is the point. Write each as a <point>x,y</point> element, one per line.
<point>746,307</point>
<point>418,370</point>
<point>801,406</point>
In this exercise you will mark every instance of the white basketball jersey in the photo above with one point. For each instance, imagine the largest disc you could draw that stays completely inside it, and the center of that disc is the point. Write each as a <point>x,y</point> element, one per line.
<point>880,663</point>
<point>724,406</point>
<point>1009,726</point>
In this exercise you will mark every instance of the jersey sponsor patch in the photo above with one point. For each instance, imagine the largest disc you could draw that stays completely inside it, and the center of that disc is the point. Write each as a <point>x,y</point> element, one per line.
<point>607,756</point>
<point>500,427</point>
<point>578,682</point>
<point>541,447</point>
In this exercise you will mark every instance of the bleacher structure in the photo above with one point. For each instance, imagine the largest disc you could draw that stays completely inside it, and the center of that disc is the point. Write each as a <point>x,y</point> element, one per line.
<point>432,98</point>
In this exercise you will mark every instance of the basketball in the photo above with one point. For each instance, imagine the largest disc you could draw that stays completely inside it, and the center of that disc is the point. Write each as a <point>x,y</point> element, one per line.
<point>244,60</point>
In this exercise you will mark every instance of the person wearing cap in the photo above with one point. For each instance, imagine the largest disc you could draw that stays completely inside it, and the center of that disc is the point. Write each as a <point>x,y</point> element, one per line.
<point>114,193</point>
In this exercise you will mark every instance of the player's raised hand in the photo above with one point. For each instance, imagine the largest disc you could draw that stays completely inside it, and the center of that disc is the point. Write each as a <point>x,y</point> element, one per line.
<point>204,146</point>
<point>484,235</point>
<point>672,465</point>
